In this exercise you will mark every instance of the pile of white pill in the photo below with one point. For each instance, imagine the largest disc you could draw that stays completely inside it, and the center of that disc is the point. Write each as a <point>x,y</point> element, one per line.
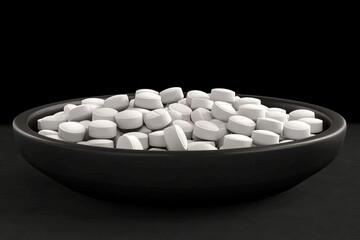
<point>166,120</point>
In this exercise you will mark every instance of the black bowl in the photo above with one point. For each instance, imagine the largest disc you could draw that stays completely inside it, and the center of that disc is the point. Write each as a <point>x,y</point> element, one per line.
<point>180,176</point>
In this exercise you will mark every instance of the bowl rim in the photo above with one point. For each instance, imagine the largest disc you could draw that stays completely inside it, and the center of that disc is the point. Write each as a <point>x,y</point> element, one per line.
<point>337,125</point>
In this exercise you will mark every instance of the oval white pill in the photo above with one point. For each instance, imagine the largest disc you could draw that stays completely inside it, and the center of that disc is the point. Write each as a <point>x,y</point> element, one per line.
<point>316,125</point>
<point>200,146</point>
<point>71,131</point>
<point>296,130</point>
<point>101,143</point>
<point>201,103</point>
<point>148,101</point>
<point>129,119</point>
<point>102,129</point>
<point>222,94</point>
<point>237,141</point>
<point>175,138</point>
<point>184,110</point>
<point>143,138</point>
<point>196,94</point>
<point>252,111</point>
<point>104,114</point>
<point>264,137</point>
<point>118,102</point>
<point>187,127</point>
<point>277,115</point>
<point>94,101</point>
<point>47,132</point>
<point>270,125</point>
<point>222,111</point>
<point>157,139</point>
<point>171,95</point>
<point>129,142</point>
<point>145,90</point>
<point>301,113</point>
<point>206,130</point>
<point>246,100</point>
<point>80,113</point>
<point>157,119</point>
<point>200,114</point>
<point>241,125</point>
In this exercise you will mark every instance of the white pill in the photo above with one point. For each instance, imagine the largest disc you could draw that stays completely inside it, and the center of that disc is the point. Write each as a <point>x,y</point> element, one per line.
<point>118,135</point>
<point>201,103</point>
<point>67,109</point>
<point>157,149</point>
<point>142,110</point>
<point>270,125</point>
<point>129,142</point>
<point>277,115</point>
<point>175,115</point>
<point>143,138</point>
<point>49,123</point>
<point>200,114</point>
<point>212,143</point>
<point>118,102</point>
<point>264,137</point>
<point>83,143</point>
<point>222,128</point>
<point>102,129</point>
<point>275,109</point>
<point>206,130</point>
<point>222,94</point>
<point>144,129</point>
<point>131,103</point>
<point>286,141</point>
<point>148,101</point>
<point>246,100</point>
<point>184,110</point>
<point>222,111</point>
<point>46,132</point>
<point>200,146</point>
<point>187,127</point>
<point>183,101</point>
<point>104,114</point>
<point>55,137</point>
<point>157,139</point>
<point>237,141</point>
<point>157,119</point>
<point>301,113</point>
<point>86,123</point>
<point>196,94</point>
<point>175,138</point>
<point>129,119</point>
<point>80,113</point>
<point>241,125</point>
<point>93,101</point>
<point>71,131</point>
<point>171,95</point>
<point>316,125</point>
<point>101,143</point>
<point>60,116</point>
<point>296,130</point>
<point>252,111</point>
<point>144,90</point>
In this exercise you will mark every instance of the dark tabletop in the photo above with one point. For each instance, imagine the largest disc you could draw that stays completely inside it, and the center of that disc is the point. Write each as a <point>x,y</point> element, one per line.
<point>326,206</point>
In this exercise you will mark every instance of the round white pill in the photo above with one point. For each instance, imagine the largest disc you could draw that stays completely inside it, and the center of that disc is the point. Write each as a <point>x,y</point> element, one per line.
<point>237,141</point>
<point>275,109</point>
<point>246,100</point>
<point>157,119</point>
<point>175,138</point>
<point>171,95</point>
<point>277,115</point>
<point>129,142</point>
<point>71,131</point>
<point>93,101</point>
<point>222,128</point>
<point>145,90</point>
<point>270,125</point>
<point>118,102</point>
<point>80,113</point>
<point>316,125</point>
<point>143,138</point>
<point>148,101</point>
<point>47,132</point>
<point>142,110</point>
<point>104,114</point>
<point>301,113</point>
<point>296,130</point>
<point>157,139</point>
<point>264,137</point>
<point>129,119</point>
<point>184,110</point>
<point>241,125</point>
<point>222,94</point>
<point>201,103</point>
<point>60,116</point>
<point>175,115</point>
<point>187,127</point>
<point>200,146</point>
<point>102,129</point>
<point>49,123</point>
<point>252,111</point>
<point>200,114</point>
<point>196,94</point>
<point>222,111</point>
<point>101,143</point>
<point>144,129</point>
<point>206,130</point>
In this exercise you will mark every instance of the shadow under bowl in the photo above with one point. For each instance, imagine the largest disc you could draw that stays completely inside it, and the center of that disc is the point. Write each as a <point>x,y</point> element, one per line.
<point>233,175</point>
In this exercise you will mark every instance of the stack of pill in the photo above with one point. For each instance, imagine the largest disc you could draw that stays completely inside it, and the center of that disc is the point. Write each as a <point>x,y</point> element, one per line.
<point>166,120</point>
